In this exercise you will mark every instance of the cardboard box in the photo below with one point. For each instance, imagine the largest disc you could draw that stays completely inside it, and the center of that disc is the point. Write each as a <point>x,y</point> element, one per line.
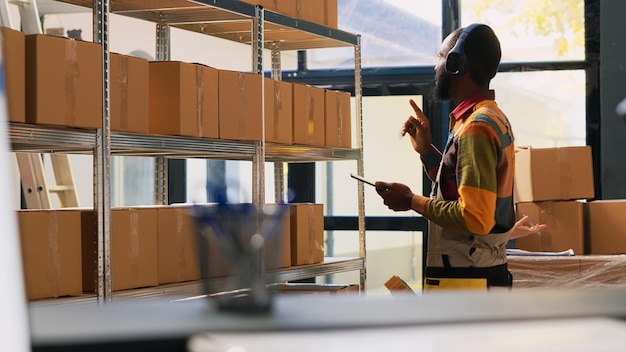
<point>287,7</point>
<point>580,271</point>
<point>309,10</point>
<point>63,82</point>
<point>278,111</point>
<point>307,233</point>
<point>134,261</point>
<point>543,271</point>
<point>277,250</point>
<point>323,12</point>
<point>553,174</point>
<point>566,226</point>
<point>331,14</point>
<point>338,121</point>
<point>603,270</point>
<point>308,115</point>
<point>13,56</point>
<point>278,246</point>
<point>607,221</point>
<point>183,99</point>
<point>212,261</point>
<point>51,252</point>
<point>267,4</point>
<point>129,80</point>
<point>177,252</point>
<point>240,106</point>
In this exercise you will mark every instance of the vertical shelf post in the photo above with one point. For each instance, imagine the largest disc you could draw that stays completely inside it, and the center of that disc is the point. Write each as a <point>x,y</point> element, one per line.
<point>102,169</point>
<point>162,39</point>
<point>279,167</point>
<point>258,160</point>
<point>160,162</point>
<point>359,140</point>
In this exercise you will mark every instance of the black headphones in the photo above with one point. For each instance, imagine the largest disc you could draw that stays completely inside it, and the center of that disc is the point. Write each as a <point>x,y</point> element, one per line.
<point>456,60</point>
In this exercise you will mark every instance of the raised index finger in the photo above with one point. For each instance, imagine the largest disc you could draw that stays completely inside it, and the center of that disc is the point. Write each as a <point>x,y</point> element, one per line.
<point>418,111</point>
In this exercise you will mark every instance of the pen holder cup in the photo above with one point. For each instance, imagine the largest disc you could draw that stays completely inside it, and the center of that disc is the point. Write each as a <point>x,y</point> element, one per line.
<point>236,244</point>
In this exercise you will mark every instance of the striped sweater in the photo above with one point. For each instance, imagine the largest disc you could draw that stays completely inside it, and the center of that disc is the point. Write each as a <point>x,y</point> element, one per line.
<point>476,178</point>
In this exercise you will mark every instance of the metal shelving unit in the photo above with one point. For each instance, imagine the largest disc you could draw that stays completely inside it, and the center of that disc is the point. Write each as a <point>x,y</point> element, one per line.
<point>231,20</point>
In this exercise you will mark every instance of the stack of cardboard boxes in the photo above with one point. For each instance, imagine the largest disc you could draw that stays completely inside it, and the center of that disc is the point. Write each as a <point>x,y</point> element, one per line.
<point>150,246</point>
<point>57,81</point>
<point>554,186</point>
<point>549,186</point>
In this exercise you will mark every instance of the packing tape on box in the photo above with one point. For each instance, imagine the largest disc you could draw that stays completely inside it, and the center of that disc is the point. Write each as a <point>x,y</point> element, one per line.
<point>134,247</point>
<point>242,103</point>
<point>278,106</point>
<point>314,245</point>
<point>546,216</point>
<point>71,73</point>
<point>122,78</point>
<point>54,261</point>
<point>340,118</point>
<point>326,19</point>
<point>298,8</point>
<point>180,250</point>
<point>311,114</point>
<point>199,99</point>
<point>312,228</point>
<point>565,181</point>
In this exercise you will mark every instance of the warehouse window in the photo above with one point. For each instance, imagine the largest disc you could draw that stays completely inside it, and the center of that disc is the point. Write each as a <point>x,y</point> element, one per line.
<point>532,30</point>
<point>546,108</point>
<point>393,32</point>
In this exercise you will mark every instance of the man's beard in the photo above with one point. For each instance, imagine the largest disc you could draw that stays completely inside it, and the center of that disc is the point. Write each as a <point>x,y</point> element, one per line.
<point>441,89</point>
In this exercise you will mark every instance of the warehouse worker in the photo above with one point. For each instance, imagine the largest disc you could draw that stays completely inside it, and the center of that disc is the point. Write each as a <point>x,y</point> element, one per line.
<point>470,210</point>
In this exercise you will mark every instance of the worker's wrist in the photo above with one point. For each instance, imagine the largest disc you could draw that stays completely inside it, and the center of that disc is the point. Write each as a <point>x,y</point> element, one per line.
<point>420,204</point>
<point>431,158</point>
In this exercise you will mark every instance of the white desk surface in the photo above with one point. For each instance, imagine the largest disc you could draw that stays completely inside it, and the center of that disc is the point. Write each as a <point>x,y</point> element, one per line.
<point>564,320</point>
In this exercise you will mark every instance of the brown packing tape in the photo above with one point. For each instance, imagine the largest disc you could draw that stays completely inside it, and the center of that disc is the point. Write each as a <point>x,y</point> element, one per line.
<point>545,216</point>
<point>134,247</point>
<point>278,106</point>
<point>311,234</point>
<point>199,99</point>
<point>180,250</point>
<point>326,21</point>
<point>122,76</point>
<point>298,8</point>
<point>311,124</point>
<point>71,74</point>
<point>54,261</point>
<point>340,118</point>
<point>565,181</point>
<point>242,103</point>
